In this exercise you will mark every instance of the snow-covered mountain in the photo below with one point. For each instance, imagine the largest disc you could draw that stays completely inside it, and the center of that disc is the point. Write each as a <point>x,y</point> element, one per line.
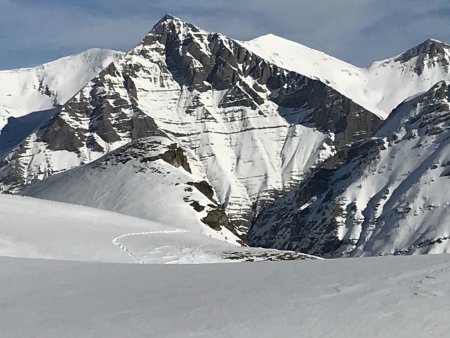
<point>29,95</point>
<point>379,88</point>
<point>252,127</point>
<point>194,127</point>
<point>389,197</point>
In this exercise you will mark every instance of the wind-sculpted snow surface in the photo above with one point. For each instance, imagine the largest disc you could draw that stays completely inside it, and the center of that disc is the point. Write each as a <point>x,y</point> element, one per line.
<point>368,297</point>
<point>390,197</point>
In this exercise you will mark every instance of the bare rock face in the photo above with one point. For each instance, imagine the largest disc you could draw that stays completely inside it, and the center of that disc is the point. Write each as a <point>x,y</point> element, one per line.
<point>205,188</point>
<point>175,156</point>
<point>61,136</point>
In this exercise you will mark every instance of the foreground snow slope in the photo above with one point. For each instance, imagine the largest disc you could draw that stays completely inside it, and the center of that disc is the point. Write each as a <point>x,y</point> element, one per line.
<point>368,297</point>
<point>35,228</point>
<point>378,88</point>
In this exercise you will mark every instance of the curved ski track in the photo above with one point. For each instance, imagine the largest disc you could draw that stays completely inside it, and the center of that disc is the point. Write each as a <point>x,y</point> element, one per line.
<point>116,240</point>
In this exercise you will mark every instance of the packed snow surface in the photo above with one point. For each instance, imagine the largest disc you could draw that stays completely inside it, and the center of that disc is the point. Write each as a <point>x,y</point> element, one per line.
<point>367,297</point>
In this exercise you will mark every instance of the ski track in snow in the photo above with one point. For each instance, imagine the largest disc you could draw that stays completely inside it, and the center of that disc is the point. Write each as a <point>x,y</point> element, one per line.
<point>116,240</point>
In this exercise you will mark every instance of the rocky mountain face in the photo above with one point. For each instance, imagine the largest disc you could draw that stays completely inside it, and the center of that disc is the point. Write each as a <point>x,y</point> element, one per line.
<point>253,127</point>
<point>244,142</point>
<point>389,197</point>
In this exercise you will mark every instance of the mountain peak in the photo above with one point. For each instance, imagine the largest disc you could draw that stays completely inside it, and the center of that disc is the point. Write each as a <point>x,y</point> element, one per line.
<point>168,24</point>
<point>428,54</point>
<point>430,41</point>
<point>168,17</point>
<point>170,21</point>
<point>432,47</point>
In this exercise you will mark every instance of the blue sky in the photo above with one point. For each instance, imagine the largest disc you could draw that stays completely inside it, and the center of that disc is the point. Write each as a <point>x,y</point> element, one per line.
<point>358,31</point>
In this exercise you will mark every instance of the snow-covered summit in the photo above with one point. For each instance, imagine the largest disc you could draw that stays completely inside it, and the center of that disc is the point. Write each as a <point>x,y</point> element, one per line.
<point>431,51</point>
<point>302,59</point>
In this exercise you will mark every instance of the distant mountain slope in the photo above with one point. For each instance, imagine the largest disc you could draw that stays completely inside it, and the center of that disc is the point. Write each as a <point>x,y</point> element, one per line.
<point>253,127</point>
<point>389,197</point>
<point>379,88</point>
<point>40,89</point>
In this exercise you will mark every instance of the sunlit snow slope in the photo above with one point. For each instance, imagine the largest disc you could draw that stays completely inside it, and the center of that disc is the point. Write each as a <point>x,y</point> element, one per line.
<point>27,90</point>
<point>35,228</point>
<point>152,178</point>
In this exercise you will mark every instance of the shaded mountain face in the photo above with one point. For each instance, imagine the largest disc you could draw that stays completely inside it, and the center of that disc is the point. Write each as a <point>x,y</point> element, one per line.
<point>253,129</point>
<point>389,197</point>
